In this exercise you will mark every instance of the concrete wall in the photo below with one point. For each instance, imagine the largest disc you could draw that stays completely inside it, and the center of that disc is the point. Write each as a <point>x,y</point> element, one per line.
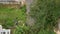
<point>12,1</point>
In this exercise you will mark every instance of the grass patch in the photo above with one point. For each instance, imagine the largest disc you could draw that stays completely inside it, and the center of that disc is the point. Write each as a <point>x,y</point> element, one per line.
<point>8,15</point>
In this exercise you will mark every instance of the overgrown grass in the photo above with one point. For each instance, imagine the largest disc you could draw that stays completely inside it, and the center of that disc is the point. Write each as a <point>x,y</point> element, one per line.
<point>8,15</point>
<point>8,18</point>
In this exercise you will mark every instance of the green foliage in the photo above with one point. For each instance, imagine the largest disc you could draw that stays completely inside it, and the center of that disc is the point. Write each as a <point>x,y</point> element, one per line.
<point>46,32</point>
<point>45,13</point>
<point>21,30</point>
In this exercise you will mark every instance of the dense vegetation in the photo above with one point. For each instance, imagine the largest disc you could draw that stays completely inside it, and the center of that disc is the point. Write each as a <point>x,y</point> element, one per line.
<point>44,12</point>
